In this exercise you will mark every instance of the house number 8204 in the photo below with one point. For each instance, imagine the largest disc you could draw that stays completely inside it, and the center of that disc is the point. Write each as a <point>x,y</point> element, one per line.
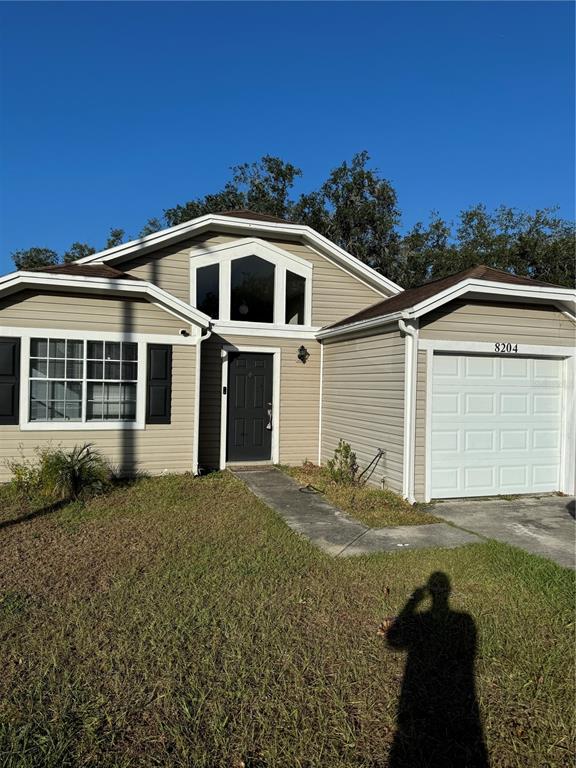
<point>505,346</point>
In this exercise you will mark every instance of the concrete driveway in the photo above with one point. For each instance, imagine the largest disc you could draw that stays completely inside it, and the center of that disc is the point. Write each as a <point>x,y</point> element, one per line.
<point>541,525</point>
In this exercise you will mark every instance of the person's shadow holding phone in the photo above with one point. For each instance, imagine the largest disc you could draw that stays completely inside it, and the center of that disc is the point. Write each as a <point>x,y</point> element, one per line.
<point>438,723</point>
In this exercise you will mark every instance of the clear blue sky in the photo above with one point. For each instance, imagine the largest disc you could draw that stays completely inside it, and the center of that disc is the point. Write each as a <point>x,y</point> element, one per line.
<point>112,112</point>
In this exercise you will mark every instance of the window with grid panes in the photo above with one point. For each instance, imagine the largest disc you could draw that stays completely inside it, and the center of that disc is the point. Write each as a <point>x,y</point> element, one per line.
<point>75,380</point>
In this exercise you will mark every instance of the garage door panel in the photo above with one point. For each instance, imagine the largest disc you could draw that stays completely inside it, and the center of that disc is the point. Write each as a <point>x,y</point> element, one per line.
<point>447,366</point>
<point>543,475</point>
<point>546,439</point>
<point>447,479</point>
<point>514,404</point>
<point>479,404</point>
<point>495,425</point>
<point>547,404</point>
<point>548,370</point>
<point>483,367</point>
<point>513,477</point>
<point>514,368</point>
<point>479,440</point>
<point>446,440</point>
<point>479,479</point>
<point>514,440</point>
<point>447,402</point>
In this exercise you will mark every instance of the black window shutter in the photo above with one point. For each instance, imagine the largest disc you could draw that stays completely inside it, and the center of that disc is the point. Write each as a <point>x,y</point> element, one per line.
<point>9,380</point>
<point>159,384</point>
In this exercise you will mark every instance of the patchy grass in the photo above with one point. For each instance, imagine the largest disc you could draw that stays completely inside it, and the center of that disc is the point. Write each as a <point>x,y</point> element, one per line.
<point>371,506</point>
<point>179,622</point>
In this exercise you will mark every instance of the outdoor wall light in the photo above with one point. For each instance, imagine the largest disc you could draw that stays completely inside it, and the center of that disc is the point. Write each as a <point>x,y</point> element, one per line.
<point>303,354</point>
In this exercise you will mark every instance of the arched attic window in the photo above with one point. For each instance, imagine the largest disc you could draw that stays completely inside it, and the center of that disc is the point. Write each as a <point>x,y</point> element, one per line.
<point>253,283</point>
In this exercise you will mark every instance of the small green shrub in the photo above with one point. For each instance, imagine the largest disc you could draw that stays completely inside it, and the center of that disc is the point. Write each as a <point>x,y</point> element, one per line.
<point>343,468</point>
<point>61,475</point>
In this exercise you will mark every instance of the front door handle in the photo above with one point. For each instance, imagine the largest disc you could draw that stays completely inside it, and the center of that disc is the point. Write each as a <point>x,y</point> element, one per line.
<point>269,412</point>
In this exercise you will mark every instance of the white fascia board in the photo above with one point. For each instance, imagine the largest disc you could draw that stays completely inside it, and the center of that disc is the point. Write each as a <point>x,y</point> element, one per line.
<point>501,290</point>
<point>19,280</point>
<point>202,224</point>
<point>361,325</point>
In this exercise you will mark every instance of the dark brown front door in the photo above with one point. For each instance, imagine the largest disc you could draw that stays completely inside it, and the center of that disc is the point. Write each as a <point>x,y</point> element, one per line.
<point>249,406</point>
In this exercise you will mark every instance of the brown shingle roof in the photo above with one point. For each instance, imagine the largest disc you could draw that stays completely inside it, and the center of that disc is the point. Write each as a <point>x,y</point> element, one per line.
<point>412,296</point>
<point>246,214</point>
<point>87,270</point>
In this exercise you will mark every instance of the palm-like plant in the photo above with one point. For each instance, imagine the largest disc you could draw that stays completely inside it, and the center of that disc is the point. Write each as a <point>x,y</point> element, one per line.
<point>72,474</point>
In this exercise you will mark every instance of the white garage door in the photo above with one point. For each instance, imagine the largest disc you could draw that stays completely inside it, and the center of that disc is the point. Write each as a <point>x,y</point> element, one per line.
<point>496,425</point>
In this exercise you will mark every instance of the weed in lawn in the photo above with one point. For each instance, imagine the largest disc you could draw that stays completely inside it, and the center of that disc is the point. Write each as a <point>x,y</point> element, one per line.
<point>374,507</point>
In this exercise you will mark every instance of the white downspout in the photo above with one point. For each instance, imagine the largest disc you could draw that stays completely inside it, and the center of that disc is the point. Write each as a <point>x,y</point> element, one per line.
<point>410,329</point>
<point>320,408</point>
<point>196,444</point>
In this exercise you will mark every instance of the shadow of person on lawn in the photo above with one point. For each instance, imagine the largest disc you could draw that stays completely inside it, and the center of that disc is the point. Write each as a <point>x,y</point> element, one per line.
<point>438,720</point>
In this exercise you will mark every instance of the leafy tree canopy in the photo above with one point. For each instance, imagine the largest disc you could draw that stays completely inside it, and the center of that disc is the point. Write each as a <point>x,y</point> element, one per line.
<point>78,251</point>
<point>358,209</point>
<point>116,237</point>
<point>32,258</point>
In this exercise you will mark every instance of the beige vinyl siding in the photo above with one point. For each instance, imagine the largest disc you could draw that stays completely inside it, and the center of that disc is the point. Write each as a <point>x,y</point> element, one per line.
<point>494,321</point>
<point>420,453</point>
<point>34,309</point>
<point>155,449</point>
<point>299,397</point>
<point>363,402</point>
<point>169,268</point>
<point>336,293</point>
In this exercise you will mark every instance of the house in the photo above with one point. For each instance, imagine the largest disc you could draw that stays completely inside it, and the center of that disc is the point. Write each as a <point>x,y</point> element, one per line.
<point>239,338</point>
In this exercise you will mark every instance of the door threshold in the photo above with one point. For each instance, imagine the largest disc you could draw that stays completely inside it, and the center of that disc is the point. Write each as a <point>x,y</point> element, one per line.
<point>248,465</point>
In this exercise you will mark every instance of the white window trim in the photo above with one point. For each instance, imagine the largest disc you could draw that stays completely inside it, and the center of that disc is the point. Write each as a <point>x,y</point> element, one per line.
<point>58,426</point>
<point>224,254</point>
<point>567,354</point>
<point>276,353</point>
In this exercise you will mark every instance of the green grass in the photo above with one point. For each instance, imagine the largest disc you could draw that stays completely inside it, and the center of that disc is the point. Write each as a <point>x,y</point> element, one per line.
<point>179,622</point>
<point>374,507</point>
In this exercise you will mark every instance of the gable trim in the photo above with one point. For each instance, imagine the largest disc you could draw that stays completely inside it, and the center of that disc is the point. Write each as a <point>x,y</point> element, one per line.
<point>227,224</point>
<point>17,281</point>
<point>563,298</point>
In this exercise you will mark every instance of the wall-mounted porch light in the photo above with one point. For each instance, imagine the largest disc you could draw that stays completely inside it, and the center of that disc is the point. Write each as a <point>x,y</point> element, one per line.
<point>303,354</point>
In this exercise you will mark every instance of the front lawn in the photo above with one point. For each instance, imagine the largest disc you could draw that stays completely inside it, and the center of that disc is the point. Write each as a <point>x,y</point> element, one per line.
<point>179,622</point>
<point>374,507</point>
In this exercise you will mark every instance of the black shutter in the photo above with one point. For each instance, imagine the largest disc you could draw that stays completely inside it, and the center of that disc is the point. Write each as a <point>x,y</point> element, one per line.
<point>9,380</point>
<point>159,384</point>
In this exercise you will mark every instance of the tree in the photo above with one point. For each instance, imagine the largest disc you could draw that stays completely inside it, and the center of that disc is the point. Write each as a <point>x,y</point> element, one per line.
<point>539,245</point>
<point>78,251</point>
<point>34,258</point>
<point>262,186</point>
<point>357,209</point>
<point>425,251</point>
<point>116,237</point>
<point>151,226</point>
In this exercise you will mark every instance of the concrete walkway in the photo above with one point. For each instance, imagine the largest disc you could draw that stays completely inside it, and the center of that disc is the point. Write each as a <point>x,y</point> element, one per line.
<point>334,532</point>
<point>542,525</point>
